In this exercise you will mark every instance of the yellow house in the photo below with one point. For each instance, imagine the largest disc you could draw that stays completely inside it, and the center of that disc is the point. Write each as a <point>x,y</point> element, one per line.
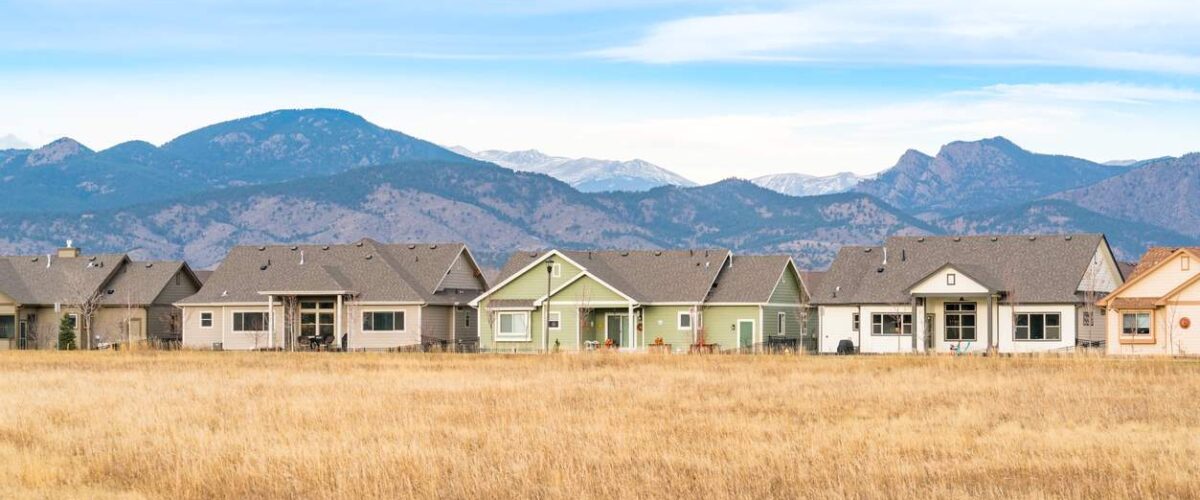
<point>1158,309</point>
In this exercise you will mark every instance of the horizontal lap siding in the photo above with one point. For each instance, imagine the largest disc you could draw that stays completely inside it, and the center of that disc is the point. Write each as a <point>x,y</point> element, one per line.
<point>411,335</point>
<point>435,323</point>
<point>720,324</point>
<point>466,324</point>
<point>663,321</point>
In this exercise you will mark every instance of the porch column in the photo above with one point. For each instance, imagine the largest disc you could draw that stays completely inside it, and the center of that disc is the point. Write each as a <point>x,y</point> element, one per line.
<point>270,321</point>
<point>632,329</point>
<point>337,324</point>
<point>989,322</point>
<point>916,325</point>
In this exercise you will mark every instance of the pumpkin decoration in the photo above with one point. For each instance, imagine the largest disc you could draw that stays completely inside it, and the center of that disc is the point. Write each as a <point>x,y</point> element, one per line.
<point>1185,323</point>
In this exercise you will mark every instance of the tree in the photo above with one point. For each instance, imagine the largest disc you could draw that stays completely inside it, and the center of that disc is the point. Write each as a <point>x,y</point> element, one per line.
<point>66,333</point>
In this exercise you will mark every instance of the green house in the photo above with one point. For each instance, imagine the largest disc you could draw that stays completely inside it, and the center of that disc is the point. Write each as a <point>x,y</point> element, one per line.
<point>641,300</point>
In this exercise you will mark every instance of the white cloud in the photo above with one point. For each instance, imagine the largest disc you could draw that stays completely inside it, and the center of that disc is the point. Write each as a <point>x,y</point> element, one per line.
<point>1149,35</point>
<point>1099,92</point>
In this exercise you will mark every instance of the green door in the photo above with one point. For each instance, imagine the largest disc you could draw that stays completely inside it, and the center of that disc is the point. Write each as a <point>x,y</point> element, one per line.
<point>745,333</point>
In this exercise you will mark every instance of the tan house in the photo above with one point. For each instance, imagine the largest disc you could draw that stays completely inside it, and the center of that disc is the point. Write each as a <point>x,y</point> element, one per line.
<point>361,296</point>
<point>1157,309</point>
<point>110,299</point>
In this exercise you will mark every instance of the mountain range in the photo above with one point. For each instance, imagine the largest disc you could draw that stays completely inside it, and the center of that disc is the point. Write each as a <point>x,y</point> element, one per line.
<point>809,185</point>
<point>331,176</point>
<point>585,174</point>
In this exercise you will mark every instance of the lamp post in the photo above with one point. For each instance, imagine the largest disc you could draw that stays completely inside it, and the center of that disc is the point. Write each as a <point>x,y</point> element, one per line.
<point>546,318</point>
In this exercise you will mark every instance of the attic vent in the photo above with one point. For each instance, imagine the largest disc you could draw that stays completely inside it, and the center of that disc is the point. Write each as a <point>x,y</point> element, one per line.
<point>110,291</point>
<point>433,247</point>
<point>879,270</point>
<point>1031,238</point>
<point>294,248</point>
<point>224,293</point>
<point>836,289</point>
<point>369,256</point>
<point>35,259</point>
<point>262,248</point>
<point>410,247</point>
<point>149,265</point>
<point>958,238</point>
<point>624,254</point>
<point>921,240</point>
<point>658,253</point>
<point>92,258</point>
<point>1068,237</point>
<point>866,250</point>
<point>326,247</point>
<point>995,238</point>
<point>359,244</point>
<point>263,267</point>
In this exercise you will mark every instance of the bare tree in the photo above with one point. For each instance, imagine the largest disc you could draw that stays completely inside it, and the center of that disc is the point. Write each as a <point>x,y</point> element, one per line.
<point>87,298</point>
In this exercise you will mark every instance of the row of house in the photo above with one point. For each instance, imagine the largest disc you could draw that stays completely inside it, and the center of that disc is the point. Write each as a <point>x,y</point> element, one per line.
<point>1008,294</point>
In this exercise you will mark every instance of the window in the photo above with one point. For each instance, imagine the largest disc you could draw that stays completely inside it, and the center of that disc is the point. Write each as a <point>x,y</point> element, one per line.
<point>1135,324</point>
<point>514,326</point>
<point>1038,326</point>
<point>8,327</point>
<point>555,320</point>
<point>73,320</point>
<point>556,270</point>
<point>854,322</point>
<point>1086,319</point>
<point>782,317</point>
<point>249,321</point>
<point>891,324</point>
<point>685,321</point>
<point>467,320</point>
<point>951,278</point>
<point>960,321</point>
<point>383,321</point>
<point>206,319</point>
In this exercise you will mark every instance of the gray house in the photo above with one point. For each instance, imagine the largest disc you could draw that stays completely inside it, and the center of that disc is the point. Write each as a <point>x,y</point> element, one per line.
<point>1031,293</point>
<point>364,295</point>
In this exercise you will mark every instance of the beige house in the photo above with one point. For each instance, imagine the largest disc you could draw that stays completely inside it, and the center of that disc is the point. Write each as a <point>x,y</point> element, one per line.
<point>110,299</point>
<point>1157,309</point>
<point>362,296</point>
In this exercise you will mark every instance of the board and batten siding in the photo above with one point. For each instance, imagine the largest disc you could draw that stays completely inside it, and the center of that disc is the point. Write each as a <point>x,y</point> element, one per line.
<point>466,323</point>
<point>582,293</point>
<point>787,298</point>
<point>462,276</point>
<point>162,309</point>
<point>435,323</point>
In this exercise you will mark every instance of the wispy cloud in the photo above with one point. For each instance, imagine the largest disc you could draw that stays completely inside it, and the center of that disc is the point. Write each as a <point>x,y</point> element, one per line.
<point>1149,35</point>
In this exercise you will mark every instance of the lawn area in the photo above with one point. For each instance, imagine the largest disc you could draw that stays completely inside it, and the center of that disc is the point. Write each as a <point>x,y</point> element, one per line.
<point>279,425</point>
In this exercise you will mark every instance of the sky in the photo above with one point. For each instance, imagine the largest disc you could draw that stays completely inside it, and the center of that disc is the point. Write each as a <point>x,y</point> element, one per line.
<point>709,89</point>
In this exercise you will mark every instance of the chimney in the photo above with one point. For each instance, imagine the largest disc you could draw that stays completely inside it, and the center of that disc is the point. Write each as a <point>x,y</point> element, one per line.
<point>69,251</point>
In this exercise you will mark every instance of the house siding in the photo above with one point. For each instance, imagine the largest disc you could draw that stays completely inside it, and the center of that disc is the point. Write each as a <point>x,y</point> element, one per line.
<point>462,276</point>
<point>164,319</point>
<point>435,323</point>
<point>466,323</point>
<point>585,293</point>
<point>720,325</point>
<point>663,321</point>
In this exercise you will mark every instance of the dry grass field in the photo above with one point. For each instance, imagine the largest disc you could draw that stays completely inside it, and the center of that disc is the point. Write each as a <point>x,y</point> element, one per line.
<point>266,425</point>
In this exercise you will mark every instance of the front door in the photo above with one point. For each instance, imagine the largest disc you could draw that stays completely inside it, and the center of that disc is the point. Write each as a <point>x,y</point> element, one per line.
<point>617,329</point>
<point>745,333</point>
<point>23,335</point>
<point>135,329</point>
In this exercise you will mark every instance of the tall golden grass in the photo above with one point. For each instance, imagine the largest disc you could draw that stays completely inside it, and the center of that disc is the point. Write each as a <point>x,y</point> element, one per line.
<point>278,425</point>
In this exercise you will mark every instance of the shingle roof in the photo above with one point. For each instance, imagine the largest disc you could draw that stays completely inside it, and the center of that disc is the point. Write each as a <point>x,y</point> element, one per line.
<point>644,275</point>
<point>1153,256</point>
<point>373,271</point>
<point>139,283</point>
<point>28,279</point>
<point>750,279</point>
<point>1031,269</point>
<point>812,279</point>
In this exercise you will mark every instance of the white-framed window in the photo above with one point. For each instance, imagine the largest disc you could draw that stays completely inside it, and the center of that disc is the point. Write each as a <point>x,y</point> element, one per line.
<point>556,270</point>
<point>512,326</point>
<point>1087,319</point>
<point>684,320</point>
<point>73,320</point>
<point>782,318</point>
<point>855,322</point>
<point>249,321</point>
<point>555,320</point>
<point>1135,324</point>
<point>891,324</point>
<point>1038,326</point>
<point>383,321</point>
<point>206,319</point>
<point>960,321</point>
<point>951,279</point>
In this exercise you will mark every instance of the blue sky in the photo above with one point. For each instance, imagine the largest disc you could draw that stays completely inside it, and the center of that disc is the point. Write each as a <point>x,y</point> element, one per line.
<point>708,89</point>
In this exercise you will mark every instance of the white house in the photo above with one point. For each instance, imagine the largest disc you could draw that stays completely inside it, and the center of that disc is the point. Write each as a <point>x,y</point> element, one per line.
<point>965,294</point>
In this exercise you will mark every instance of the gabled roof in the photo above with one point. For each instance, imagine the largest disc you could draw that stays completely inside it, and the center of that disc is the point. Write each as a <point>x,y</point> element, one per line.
<point>1151,260</point>
<point>978,274</point>
<point>30,281</point>
<point>139,283</point>
<point>647,276</point>
<point>751,279</point>
<point>367,269</point>
<point>1029,269</point>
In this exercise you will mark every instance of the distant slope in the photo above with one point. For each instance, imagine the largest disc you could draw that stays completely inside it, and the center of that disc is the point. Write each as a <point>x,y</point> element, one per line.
<point>585,174</point>
<point>1128,239</point>
<point>980,175</point>
<point>808,185</point>
<point>1163,192</point>
<point>495,210</point>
